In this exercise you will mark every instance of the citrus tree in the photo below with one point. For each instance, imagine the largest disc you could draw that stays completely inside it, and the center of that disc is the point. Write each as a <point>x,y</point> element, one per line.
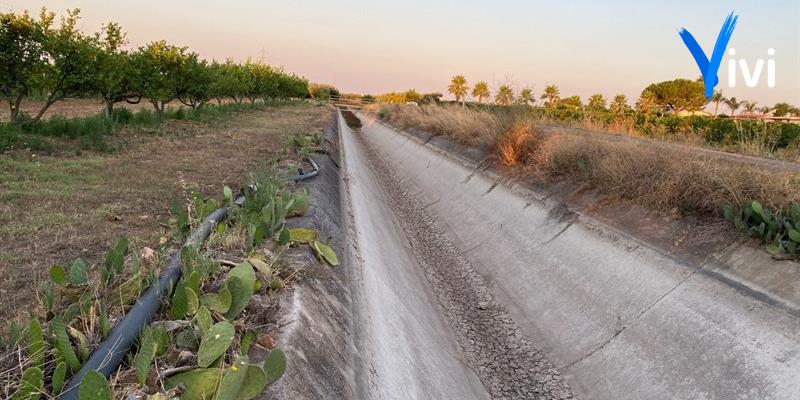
<point>72,57</point>
<point>22,56</point>
<point>158,68</point>
<point>113,76</point>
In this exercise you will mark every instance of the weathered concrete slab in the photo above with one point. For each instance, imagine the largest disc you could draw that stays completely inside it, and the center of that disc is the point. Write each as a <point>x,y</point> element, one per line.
<point>622,319</point>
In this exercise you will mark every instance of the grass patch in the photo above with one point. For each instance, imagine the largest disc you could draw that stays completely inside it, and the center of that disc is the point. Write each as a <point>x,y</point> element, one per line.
<point>92,132</point>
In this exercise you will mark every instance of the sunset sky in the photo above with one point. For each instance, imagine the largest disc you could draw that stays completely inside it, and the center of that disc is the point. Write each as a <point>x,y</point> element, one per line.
<point>376,46</point>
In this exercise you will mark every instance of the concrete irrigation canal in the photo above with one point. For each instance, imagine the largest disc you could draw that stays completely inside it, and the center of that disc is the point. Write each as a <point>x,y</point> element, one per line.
<point>461,287</point>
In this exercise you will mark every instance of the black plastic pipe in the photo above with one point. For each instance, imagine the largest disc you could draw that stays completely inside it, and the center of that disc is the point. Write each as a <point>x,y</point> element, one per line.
<point>107,357</point>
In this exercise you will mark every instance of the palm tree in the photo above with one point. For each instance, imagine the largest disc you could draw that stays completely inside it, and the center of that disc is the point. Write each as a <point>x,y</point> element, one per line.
<point>505,95</point>
<point>717,98</point>
<point>526,96</point>
<point>480,91</point>
<point>458,88</point>
<point>597,102</point>
<point>733,104</point>
<point>552,95</point>
<point>765,110</point>
<point>750,106</point>
<point>647,102</point>
<point>620,104</point>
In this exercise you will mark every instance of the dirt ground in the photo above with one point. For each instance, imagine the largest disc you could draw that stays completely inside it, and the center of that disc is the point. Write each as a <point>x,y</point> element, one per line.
<point>76,107</point>
<point>56,208</point>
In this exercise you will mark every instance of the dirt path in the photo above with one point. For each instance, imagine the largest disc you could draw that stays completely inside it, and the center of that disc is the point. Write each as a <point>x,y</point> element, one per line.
<point>56,208</point>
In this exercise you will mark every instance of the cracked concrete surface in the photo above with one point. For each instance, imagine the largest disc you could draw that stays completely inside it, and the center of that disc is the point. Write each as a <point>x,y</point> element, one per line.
<point>620,319</point>
<point>507,363</point>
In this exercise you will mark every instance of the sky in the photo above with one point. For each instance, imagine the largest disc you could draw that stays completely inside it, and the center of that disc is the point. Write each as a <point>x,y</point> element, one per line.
<point>376,46</point>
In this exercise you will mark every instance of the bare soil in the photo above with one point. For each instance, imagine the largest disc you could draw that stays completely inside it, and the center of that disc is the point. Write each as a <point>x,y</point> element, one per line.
<point>56,208</point>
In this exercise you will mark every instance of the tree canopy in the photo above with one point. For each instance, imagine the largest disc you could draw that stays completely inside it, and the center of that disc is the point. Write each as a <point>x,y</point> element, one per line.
<point>677,95</point>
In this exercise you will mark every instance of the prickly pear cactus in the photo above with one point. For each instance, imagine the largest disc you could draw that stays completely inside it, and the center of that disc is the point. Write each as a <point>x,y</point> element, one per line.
<point>242,381</point>
<point>59,376</point>
<point>62,344</point>
<point>30,386</point>
<point>325,252</point>
<point>274,365</point>
<point>180,302</point>
<point>94,386</point>
<point>201,383</point>
<point>144,357</point>
<point>254,382</point>
<point>204,319</point>
<point>214,343</point>
<point>302,235</point>
<point>232,380</point>
<point>36,345</point>
<point>219,302</point>
<point>241,282</point>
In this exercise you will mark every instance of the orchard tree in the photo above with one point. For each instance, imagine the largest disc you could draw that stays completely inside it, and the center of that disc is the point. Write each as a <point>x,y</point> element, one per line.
<point>551,94</point>
<point>158,67</point>
<point>458,88</point>
<point>504,96</point>
<point>481,91</point>
<point>22,56</point>
<point>73,57</point>
<point>596,102</point>
<point>678,95</point>
<point>113,77</point>
<point>322,91</point>
<point>194,80</point>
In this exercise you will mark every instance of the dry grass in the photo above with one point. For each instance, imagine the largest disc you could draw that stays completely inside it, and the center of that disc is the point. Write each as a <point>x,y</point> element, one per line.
<point>664,178</point>
<point>661,180</point>
<point>516,145</point>
<point>466,126</point>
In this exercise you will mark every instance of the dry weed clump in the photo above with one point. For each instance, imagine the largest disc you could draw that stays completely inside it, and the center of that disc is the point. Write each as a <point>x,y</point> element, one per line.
<point>663,180</point>
<point>517,144</point>
<point>466,126</point>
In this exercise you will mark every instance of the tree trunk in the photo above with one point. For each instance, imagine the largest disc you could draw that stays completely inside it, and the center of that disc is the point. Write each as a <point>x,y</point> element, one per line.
<point>13,106</point>
<point>109,108</point>
<point>159,106</point>
<point>50,101</point>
